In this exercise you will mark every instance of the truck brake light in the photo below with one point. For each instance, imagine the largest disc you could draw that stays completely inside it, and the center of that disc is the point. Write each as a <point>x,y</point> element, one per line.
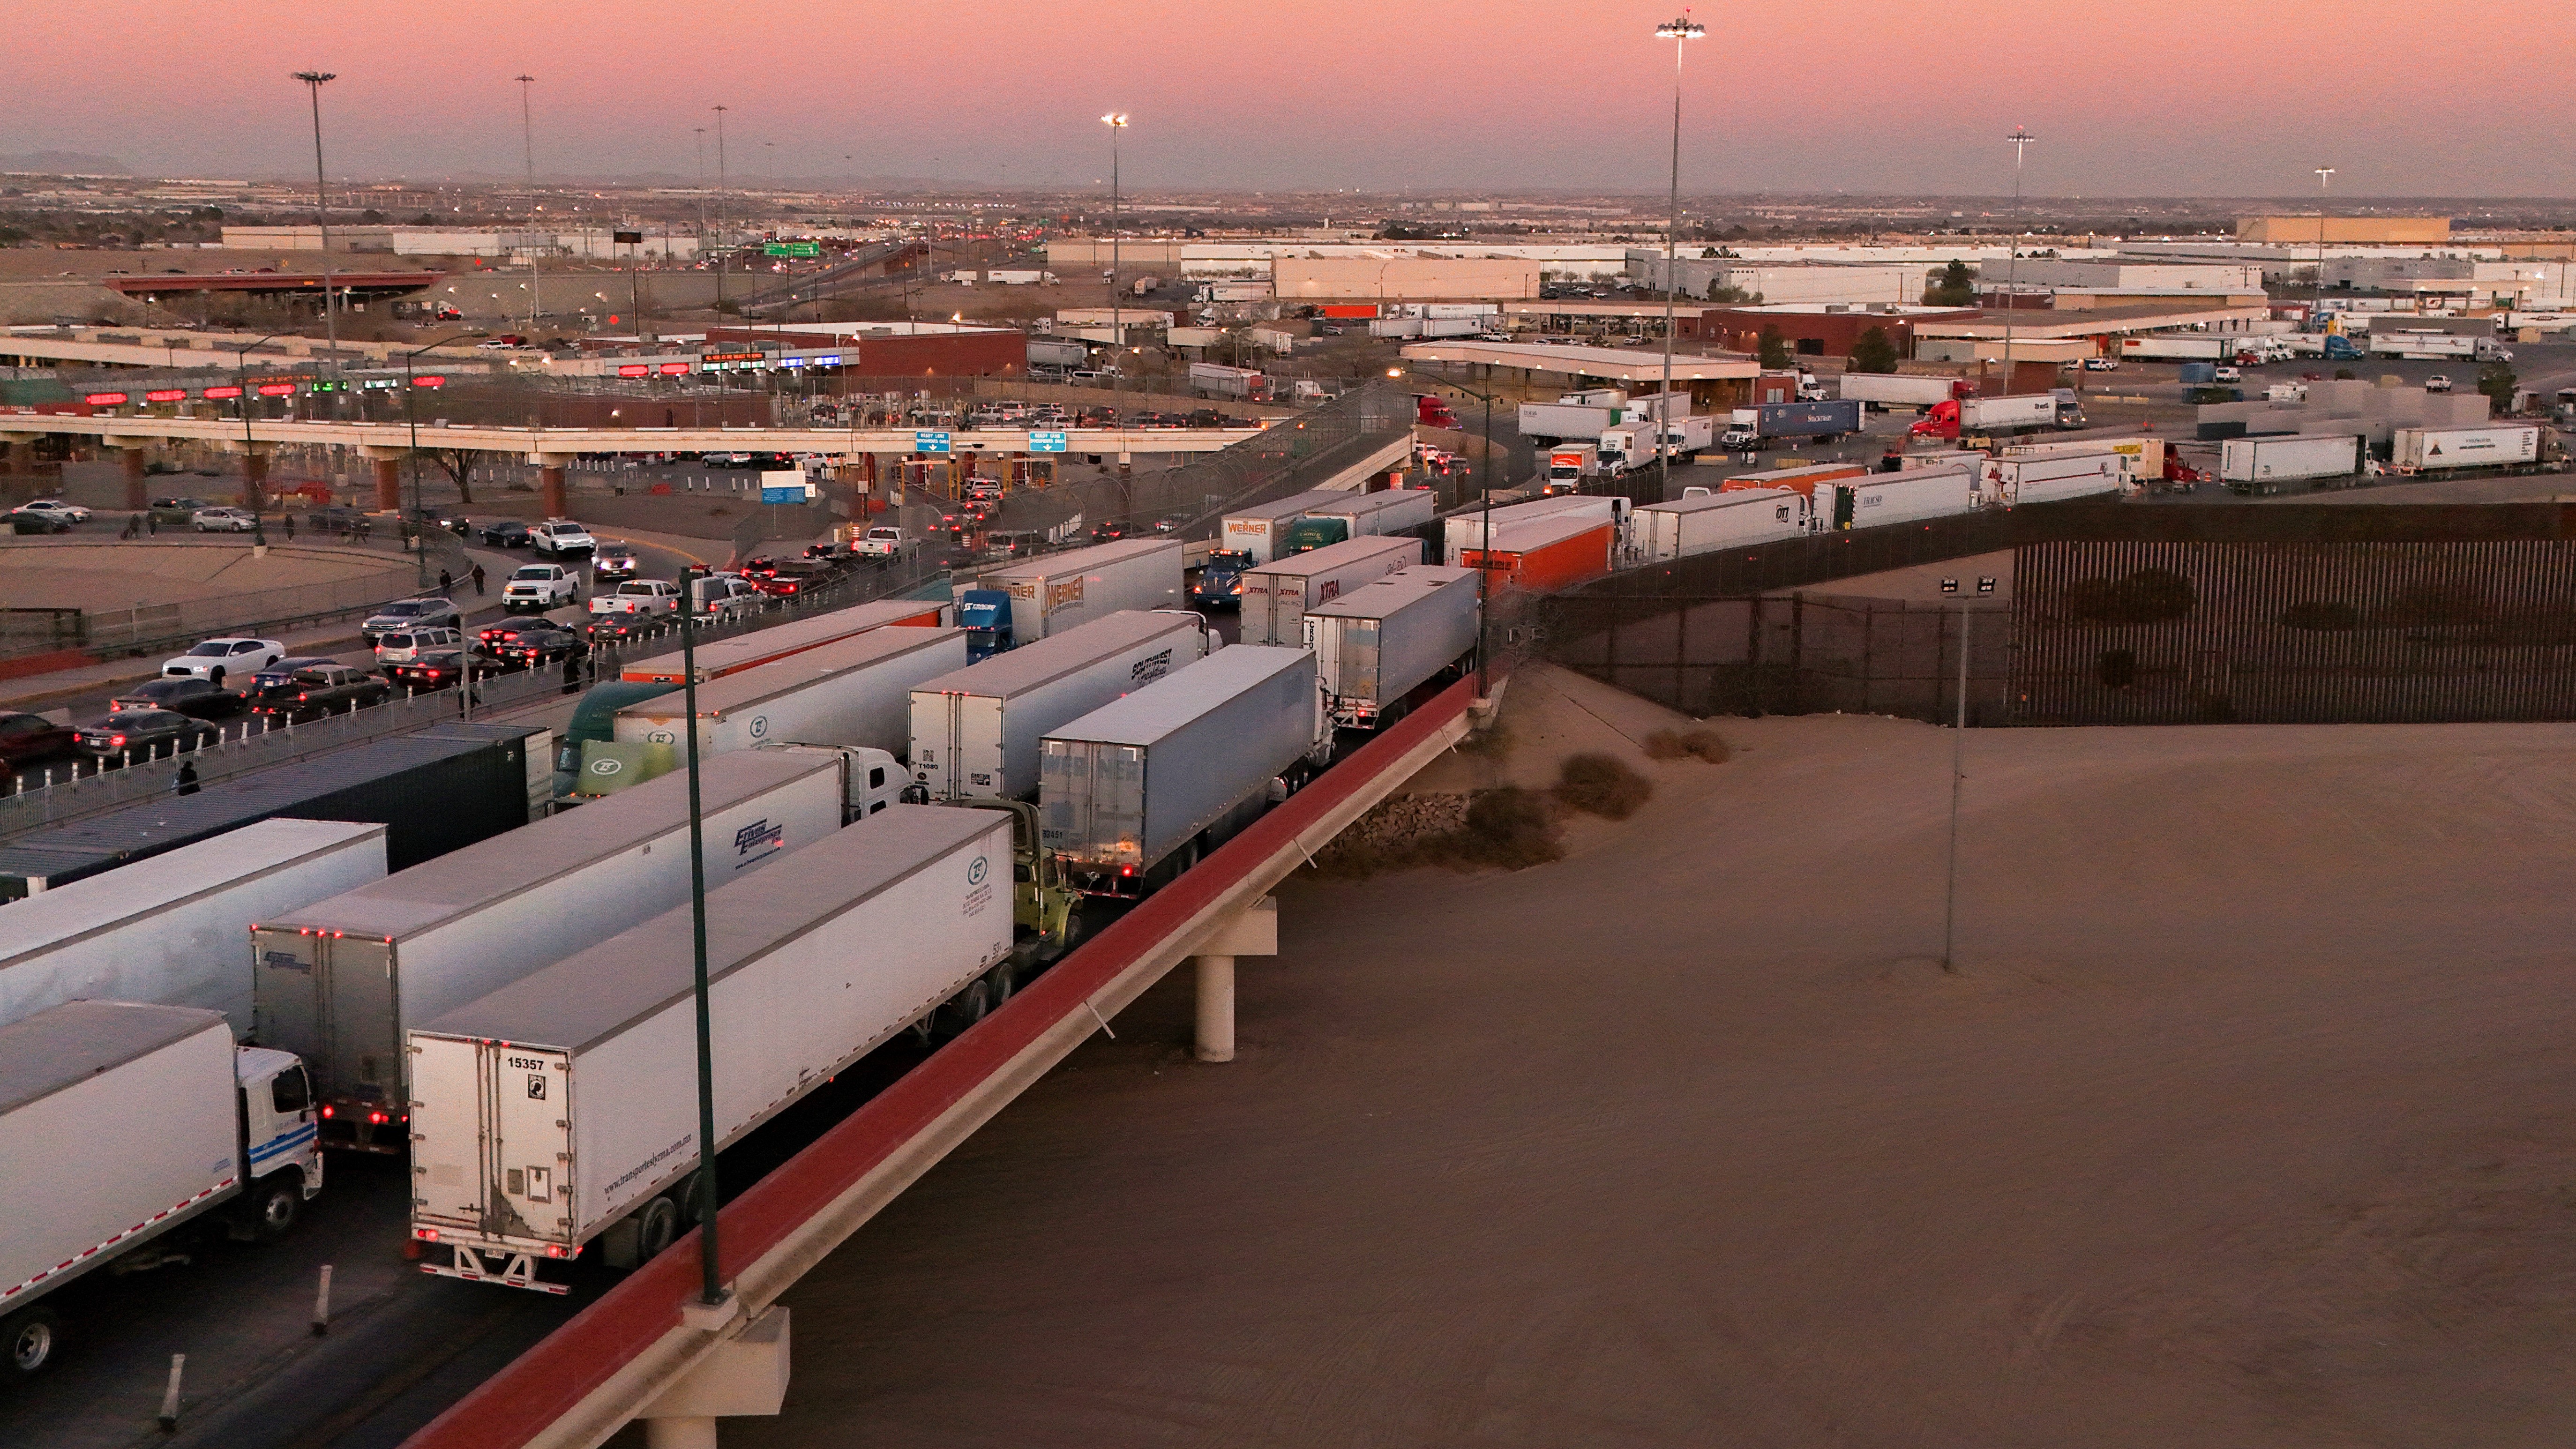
<point>327,1110</point>
<point>426,1235</point>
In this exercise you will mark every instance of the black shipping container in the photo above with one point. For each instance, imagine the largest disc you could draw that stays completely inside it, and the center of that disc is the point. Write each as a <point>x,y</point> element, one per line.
<point>435,791</point>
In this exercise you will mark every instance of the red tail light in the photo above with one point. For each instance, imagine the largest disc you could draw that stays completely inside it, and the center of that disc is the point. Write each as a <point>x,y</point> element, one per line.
<point>116,740</point>
<point>377,1118</point>
<point>326,1110</point>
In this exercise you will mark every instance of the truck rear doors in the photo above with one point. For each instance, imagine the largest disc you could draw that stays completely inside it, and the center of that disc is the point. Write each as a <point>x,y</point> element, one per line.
<point>492,1160</point>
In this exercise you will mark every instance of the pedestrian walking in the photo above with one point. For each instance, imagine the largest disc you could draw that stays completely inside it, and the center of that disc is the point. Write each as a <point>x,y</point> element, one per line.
<point>478,581</point>
<point>186,783</point>
<point>446,582</point>
<point>151,524</point>
<point>133,526</point>
<point>572,675</point>
<point>290,528</point>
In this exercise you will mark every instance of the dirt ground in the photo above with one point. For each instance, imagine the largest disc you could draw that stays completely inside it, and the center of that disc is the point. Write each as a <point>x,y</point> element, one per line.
<point>2246,1120</point>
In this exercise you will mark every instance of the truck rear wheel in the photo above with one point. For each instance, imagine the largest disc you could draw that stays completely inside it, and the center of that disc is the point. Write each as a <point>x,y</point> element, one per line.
<point>28,1337</point>
<point>656,1224</point>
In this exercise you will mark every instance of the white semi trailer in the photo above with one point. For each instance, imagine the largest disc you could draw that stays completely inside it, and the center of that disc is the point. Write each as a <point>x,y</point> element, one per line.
<point>549,1113</point>
<point>1377,644</point>
<point>340,979</point>
<point>1278,594</point>
<point>168,929</point>
<point>125,1128</point>
<point>856,692</point>
<point>975,732</point>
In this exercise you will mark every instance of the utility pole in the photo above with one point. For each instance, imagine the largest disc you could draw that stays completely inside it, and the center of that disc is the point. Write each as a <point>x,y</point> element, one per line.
<point>314,80</point>
<point>1116,121</point>
<point>1680,32</point>
<point>527,132</point>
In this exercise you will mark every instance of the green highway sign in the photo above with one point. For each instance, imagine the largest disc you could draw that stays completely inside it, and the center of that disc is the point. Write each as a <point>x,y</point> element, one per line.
<point>793,249</point>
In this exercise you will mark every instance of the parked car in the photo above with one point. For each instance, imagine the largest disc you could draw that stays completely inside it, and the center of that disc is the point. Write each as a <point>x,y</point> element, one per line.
<point>71,511</point>
<point>436,669</point>
<point>615,561</point>
<point>2438,382</point>
<point>222,659</point>
<point>224,520</point>
<point>410,614</point>
<point>25,737</point>
<point>323,689</point>
<point>541,644</point>
<point>143,734</point>
<point>334,519</point>
<point>37,522</point>
<point>398,645</point>
<point>195,698</point>
<point>505,533</point>
<point>2094,364</point>
<point>559,536</point>
<point>176,511</point>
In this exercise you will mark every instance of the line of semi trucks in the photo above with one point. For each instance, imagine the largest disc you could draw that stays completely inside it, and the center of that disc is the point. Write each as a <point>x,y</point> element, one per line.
<point>472,948</point>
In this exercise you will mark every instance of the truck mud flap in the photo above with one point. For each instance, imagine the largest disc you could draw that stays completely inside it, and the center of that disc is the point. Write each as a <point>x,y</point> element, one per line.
<point>518,1270</point>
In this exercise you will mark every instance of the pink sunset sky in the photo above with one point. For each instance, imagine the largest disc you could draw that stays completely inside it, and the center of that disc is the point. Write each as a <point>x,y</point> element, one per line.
<point>2183,97</point>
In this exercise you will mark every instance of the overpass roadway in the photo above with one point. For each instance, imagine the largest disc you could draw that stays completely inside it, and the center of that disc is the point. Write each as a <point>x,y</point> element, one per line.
<point>552,448</point>
<point>647,1349</point>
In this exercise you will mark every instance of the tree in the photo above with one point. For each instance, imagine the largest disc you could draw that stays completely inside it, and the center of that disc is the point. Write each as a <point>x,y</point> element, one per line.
<point>1955,287</point>
<point>1733,296</point>
<point>1872,352</point>
<point>2497,381</point>
<point>458,464</point>
<point>1774,349</point>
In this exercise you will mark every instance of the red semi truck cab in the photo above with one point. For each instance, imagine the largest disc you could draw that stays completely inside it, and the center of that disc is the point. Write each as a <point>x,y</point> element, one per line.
<point>1430,411</point>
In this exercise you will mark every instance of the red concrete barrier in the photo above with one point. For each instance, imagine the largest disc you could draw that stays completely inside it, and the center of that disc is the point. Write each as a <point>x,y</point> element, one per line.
<point>551,1379</point>
<point>26,664</point>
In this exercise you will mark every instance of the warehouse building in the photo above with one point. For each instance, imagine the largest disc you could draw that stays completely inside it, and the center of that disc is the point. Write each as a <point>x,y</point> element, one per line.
<point>2346,230</point>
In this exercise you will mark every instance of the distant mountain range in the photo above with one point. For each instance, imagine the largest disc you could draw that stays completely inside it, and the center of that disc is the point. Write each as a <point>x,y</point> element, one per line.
<point>66,163</point>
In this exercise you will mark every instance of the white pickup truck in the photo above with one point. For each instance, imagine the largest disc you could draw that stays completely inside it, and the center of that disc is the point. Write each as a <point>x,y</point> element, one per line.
<point>539,587</point>
<point>639,596</point>
<point>560,536</point>
<point>881,541</point>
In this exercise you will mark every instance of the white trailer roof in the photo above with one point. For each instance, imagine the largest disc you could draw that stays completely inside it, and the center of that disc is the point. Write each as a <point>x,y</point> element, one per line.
<point>1078,560</point>
<point>1016,671</point>
<point>588,997</point>
<point>1708,502</point>
<point>437,891</point>
<point>1385,596</point>
<point>1336,555</point>
<point>763,683</point>
<point>55,918</point>
<point>1183,695</point>
<point>77,1040</point>
<point>1291,506</point>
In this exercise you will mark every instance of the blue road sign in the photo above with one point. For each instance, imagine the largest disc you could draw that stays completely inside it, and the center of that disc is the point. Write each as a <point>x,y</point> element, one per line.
<point>930,442</point>
<point>1046,442</point>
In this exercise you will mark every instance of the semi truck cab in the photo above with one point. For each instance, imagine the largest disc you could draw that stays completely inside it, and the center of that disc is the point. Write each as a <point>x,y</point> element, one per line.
<point>985,615</point>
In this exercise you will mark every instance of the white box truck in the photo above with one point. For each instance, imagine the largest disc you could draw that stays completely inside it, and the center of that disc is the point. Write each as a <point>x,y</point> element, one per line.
<point>1256,530</point>
<point>1623,448</point>
<point>975,732</point>
<point>1133,792</point>
<point>340,979</point>
<point>1730,519</point>
<point>1568,466</point>
<point>1277,595</point>
<point>1902,497</point>
<point>768,646</point>
<point>168,930</point>
<point>2262,465</point>
<point>1377,644</point>
<point>2011,482</point>
<point>1057,591</point>
<point>1465,529</point>
<point>560,1109</point>
<point>857,692</point>
<point>2417,450</point>
<point>1556,422</point>
<point>125,1128</point>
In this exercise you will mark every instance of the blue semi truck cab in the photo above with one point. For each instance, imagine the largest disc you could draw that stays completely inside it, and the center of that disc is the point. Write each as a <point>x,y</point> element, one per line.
<point>985,615</point>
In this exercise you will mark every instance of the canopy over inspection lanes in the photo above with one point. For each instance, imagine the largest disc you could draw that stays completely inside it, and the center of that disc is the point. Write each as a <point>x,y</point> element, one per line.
<point>1616,364</point>
<point>554,446</point>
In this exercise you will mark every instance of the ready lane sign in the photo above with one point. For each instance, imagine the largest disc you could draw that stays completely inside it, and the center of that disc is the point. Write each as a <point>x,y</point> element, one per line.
<point>930,442</point>
<point>1046,442</point>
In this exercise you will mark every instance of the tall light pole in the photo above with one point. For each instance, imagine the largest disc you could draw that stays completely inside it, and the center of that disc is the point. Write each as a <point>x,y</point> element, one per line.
<point>411,415</point>
<point>1116,121</point>
<point>314,80</point>
<point>2021,138</point>
<point>527,131</point>
<point>2316,310</point>
<point>724,256</point>
<point>1680,32</point>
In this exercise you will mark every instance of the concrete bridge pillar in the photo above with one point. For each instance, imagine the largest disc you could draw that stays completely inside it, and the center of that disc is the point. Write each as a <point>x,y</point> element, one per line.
<point>1253,933</point>
<point>745,1375</point>
<point>550,482</point>
<point>137,495</point>
<point>388,484</point>
<point>254,480</point>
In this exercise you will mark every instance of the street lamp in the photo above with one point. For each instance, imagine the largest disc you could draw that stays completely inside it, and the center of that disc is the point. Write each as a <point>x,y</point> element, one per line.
<point>1680,32</point>
<point>411,414</point>
<point>527,131</point>
<point>724,256</point>
<point>2021,138</point>
<point>2316,312</point>
<point>241,379</point>
<point>1116,121</point>
<point>313,83</point>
